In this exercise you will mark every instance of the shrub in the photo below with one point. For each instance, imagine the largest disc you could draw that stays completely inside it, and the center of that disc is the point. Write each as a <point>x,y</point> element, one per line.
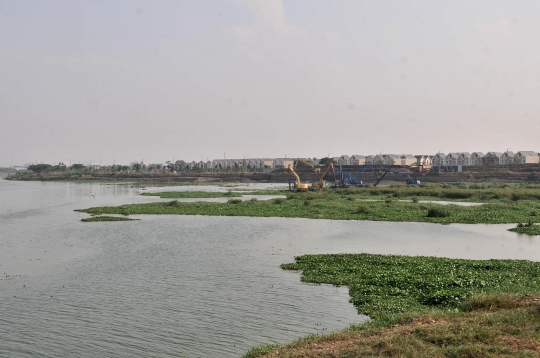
<point>174,203</point>
<point>362,210</point>
<point>388,200</point>
<point>414,199</point>
<point>438,213</point>
<point>279,201</point>
<point>234,201</point>
<point>307,202</point>
<point>457,195</point>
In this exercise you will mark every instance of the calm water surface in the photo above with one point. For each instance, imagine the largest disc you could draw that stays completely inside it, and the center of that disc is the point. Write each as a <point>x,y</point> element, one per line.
<point>194,286</point>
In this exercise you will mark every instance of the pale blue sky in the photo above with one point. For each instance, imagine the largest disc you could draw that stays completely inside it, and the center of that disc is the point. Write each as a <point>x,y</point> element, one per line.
<point>128,80</point>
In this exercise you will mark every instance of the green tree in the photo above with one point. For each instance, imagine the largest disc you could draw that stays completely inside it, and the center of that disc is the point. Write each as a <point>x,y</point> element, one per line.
<point>61,167</point>
<point>326,160</point>
<point>40,168</point>
<point>77,167</point>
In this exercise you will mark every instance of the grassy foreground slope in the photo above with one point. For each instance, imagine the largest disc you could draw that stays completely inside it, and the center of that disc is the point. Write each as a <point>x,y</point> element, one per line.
<point>425,307</point>
<point>490,326</point>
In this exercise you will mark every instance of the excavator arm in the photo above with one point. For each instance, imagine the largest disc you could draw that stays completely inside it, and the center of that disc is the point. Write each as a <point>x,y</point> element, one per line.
<point>319,184</point>
<point>305,162</point>
<point>291,170</point>
<point>346,178</point>
<point>407,177</point>
<point>299,185</point>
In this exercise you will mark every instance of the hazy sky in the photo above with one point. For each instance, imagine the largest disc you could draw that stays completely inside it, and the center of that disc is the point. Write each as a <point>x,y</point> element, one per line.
<point>127,80</point>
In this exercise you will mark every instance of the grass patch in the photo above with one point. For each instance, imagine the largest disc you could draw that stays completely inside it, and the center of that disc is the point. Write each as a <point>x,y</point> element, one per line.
<point>425,307</point>
<point>106,218</point>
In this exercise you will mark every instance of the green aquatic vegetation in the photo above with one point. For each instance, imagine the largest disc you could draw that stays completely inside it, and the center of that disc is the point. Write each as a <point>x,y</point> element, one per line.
<point>470,193</point>
<point>173,203</point>
<point>106,218</point>
<point>362,210</point>
<point>438,212</point>
<point>381,286</point>
<point>528,229</point>
<point>337,208</point>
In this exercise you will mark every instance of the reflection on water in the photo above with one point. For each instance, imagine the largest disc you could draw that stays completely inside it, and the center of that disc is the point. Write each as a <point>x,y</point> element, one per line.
<point>441,202</point>
<point>185,285</point>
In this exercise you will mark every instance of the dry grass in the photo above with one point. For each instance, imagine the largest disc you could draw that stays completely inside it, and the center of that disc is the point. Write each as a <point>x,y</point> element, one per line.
<point>488,326</point>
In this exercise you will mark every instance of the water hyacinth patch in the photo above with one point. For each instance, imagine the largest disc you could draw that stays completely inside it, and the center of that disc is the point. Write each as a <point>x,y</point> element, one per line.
<point>335,207</point>
<point>382,285</point>
<point>528,229</point>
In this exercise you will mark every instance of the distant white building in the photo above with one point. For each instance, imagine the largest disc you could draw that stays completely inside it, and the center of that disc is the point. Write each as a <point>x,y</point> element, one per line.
<point>507,158</point>
<point>439,159</point>
<point>452,159</point>
<point>357,159</point>
<point>408,159</point>
<point>344,160</point>
<point>477,158</point>
<point>423,159</point>
<point>492,158</point>
<point>526,157</point>
<point>391,159</point>
<point>464,159</point>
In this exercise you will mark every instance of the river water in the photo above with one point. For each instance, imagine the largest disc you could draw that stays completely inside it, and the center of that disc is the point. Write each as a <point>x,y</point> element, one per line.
<point>185,286</point>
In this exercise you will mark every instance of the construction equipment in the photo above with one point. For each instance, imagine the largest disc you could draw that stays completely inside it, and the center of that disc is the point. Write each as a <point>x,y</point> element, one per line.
<point>299,186</point>
<point>409,180</point>
<point>346,179</point>
<point>320,183</point>
<point>422,168</point>
<point>305,162</point>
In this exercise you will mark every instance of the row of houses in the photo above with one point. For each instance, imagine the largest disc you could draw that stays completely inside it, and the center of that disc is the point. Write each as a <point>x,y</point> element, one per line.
<point>439,159</point>
<point>258,164</point>
<point>442,159</point>
<point>384,159</point>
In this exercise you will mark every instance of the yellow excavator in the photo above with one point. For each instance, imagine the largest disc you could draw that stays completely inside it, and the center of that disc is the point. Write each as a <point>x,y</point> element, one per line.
<point>320,183</point>
<point>305,162</point>
<point>299,185</point>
